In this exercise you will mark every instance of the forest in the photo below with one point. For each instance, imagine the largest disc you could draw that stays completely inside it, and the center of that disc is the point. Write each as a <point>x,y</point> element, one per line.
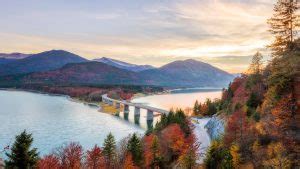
<point>261,108</point>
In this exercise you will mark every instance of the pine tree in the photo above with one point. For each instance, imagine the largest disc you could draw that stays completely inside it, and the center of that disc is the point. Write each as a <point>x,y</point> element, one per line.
<point>196,108</point>
<point>135,148</point>
<point>21,155</point>
<point>157,158</point>
<point>109,149</point>
<point>284,24</point>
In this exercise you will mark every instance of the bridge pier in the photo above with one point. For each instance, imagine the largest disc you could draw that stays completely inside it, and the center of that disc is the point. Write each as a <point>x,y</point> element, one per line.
<point>126,108</point>
<point>137,111</point>
<point>118,105</point>
<point>150,115</point>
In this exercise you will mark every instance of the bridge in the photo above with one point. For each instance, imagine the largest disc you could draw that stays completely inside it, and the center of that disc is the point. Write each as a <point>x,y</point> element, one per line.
<point>137,107</point>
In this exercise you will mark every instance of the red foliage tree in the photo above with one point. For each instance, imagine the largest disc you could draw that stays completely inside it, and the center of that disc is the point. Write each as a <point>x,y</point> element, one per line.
<point>71,155</point>
<point>237,127</point>
<point>147,142</point>
<point>174,138</point>
<point>94,158</point>
<point>49,162</point>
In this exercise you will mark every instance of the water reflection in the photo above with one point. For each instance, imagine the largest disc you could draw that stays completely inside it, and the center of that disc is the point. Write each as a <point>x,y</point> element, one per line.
<point>141,118</point>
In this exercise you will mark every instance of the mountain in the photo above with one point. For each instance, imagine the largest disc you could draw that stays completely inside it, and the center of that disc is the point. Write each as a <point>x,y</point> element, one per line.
<point>11,57</point>
<point>44,61</point>
<point>80,74</point>
<point>188,73</point>
<point>124,65</point>
<point>193,73</point>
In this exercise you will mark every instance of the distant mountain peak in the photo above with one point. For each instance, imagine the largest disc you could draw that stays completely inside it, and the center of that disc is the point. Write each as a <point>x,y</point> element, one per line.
<point>124,65</point>
<point>44,61</point>
<point>15,55</point>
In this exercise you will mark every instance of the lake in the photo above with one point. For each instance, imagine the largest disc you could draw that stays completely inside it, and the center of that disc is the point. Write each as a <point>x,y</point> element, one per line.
<point>55,120</point>
<point>180,98</point>
<point>184,99</point>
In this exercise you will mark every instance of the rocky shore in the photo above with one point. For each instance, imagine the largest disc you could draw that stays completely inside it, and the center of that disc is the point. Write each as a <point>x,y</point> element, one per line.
<point>215,127</point>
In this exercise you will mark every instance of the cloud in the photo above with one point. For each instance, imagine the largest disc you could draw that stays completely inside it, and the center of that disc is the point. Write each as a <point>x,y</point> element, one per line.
<point>148,32</point>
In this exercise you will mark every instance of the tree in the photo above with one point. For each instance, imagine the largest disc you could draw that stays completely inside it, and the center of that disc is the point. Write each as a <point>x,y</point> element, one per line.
<point>277,157</point>
<point>135,148</point>
<point>156,156</point>
<point>94,158</point>
<point>70,155</point>
<point>196,108</point>
<point>128,162</point>
<point>188,159</point>
<point>109,150</point>
<point>234,151</point>
<point>174,138</point>
<point>256,64</point>
<point>49,162</point>
<point>21,155</point>
<point>253,101</point>
<point>218,156</point>
<point>283,25</point>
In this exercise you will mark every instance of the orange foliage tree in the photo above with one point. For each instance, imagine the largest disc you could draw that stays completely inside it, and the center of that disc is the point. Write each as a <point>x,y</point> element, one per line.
<point>128,162</point>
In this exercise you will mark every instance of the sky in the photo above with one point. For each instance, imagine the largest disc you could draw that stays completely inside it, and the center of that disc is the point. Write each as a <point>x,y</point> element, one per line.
<point>224,33</point>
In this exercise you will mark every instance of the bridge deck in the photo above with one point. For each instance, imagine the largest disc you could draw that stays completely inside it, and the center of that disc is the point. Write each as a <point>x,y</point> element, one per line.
<point>142,106</point>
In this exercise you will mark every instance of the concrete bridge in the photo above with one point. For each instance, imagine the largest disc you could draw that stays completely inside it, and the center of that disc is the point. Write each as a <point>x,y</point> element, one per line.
<point>137,107</point>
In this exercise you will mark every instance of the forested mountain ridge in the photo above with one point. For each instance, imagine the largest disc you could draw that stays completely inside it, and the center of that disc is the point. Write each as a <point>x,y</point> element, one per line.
<point>44,61</point>
<point>188,73</point>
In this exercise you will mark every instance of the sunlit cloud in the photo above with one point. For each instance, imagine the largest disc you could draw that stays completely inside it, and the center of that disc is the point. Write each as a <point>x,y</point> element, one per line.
<point>148,32</point>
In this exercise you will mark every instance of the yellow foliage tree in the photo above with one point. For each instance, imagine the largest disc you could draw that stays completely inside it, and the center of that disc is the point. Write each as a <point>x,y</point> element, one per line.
<point>234,151</point>
<point>277,157</point>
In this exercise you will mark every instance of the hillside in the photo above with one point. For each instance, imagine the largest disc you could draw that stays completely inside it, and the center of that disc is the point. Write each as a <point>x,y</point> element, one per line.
<point>188,73</point>
<point>262,115</point>
<point>196,73</point>
<point>82,73</point>
<point>44,61</point>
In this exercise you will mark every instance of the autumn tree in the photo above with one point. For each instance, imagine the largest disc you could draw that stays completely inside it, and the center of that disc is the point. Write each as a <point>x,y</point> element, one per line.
<point>109,150</point>
<point>277,157</point>
<point>49,162</point>
<point>94,158</point>
<point>256,64</point>
<point>234,151</point>
<point>22,155</point>
<point>237,129</point>
<point>174,139</point>
<point>128,162</point>
<point>71,156</point>
<point>188,159</point>
<point>284,24</point>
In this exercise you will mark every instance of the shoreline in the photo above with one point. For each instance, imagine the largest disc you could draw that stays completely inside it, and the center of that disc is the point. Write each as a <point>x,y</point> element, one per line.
<point>73,99</point>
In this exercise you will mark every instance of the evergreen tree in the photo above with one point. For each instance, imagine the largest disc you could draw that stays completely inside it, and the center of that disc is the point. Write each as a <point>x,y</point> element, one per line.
<point>21,155</point>
<point>109,149</point>
<point>196,108</point>
<point>283,25</point>
<point>135,148</point>
<point>157,161</point>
